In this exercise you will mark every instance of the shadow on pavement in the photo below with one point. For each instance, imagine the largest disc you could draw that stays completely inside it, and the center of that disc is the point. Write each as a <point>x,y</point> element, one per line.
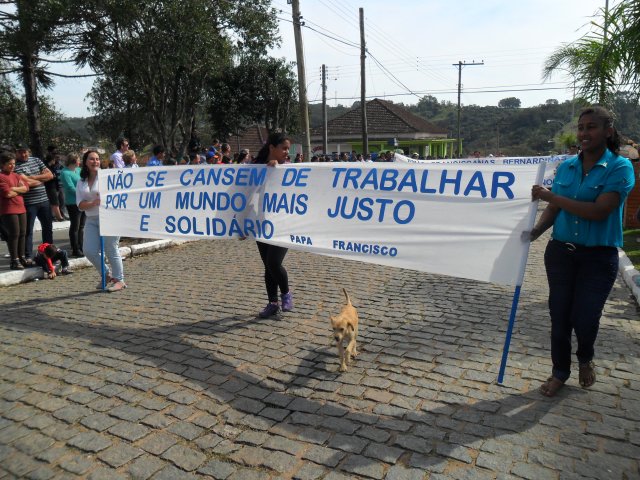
<point>418,426</point>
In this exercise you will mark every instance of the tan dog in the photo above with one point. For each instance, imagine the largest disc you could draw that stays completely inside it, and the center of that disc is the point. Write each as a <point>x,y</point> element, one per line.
<point>345,326</point>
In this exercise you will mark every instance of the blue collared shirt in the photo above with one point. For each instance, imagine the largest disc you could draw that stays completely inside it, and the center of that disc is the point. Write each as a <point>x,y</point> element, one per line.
<point>612,173</point>
<point>154,162</point>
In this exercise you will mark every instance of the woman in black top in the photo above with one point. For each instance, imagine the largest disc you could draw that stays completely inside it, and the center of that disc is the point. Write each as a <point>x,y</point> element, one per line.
<point>274,152</point>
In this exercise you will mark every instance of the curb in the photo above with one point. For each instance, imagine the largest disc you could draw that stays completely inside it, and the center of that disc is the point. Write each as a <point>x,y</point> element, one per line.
<point>56,225</point>
<point>14,277</point>
<point>630,275</point>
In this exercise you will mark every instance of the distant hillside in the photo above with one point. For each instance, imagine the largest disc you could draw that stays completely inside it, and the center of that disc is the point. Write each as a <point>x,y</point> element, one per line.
<point>79,128</point>
<point>511,131</point>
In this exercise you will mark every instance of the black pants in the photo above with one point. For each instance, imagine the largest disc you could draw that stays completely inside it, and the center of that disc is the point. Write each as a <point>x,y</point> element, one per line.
<point>3,232</point>
<point>76,228</point>
<point>15,227</point>
<point>275,274</point>
<point>580,280</point>
<point>60,256</point>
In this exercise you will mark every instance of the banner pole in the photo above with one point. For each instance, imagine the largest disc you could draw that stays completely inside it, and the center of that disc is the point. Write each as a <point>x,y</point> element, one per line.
<point>516,294</point>
<point>102,272</point>
<point>507,340</point>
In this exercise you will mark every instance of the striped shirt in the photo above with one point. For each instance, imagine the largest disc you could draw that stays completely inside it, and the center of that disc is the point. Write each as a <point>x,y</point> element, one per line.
<point>32,166</point>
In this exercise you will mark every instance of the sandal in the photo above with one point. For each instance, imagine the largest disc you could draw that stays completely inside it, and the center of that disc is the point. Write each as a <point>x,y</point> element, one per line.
<point>587,374</point>
<point>117,286</point>
<point>108,280</point>
<point>551,387</point>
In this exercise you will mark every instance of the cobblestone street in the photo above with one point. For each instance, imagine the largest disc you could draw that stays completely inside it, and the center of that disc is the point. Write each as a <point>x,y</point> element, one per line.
<point>175,377</point>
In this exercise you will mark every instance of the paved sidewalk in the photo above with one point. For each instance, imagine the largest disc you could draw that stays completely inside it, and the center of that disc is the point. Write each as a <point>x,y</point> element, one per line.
<point>175,378</point>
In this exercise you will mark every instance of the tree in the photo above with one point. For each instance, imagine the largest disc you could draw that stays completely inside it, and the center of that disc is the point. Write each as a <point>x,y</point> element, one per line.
<point>428,106</point>
<point>157,57</point>
<point>626,104</point>
<point>32,31</point>
<point>258,90</point>
<point>13,118</point>
<point>12,121</point>
<point>605,58</point>
<point>624,42</point>
<point>118,110</point>
<point>511,102</point>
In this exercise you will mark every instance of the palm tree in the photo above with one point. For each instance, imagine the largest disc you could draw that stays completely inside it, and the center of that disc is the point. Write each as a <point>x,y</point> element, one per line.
<point>625,36</point>
<point>605,58</point>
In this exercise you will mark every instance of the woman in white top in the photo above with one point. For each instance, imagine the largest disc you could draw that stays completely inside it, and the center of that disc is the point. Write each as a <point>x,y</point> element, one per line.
<point>88,201</point>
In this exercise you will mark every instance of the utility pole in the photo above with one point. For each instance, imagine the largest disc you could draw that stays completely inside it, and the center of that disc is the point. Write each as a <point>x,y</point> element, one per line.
<point>461,64</point>
<point>363,86</point>
<point>325,141</point>
<point>302,79</point>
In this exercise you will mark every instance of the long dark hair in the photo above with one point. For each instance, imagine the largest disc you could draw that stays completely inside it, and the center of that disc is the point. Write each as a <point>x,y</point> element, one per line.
<point>606,117</point>
<point>274,139</point>
<point>84,171</point>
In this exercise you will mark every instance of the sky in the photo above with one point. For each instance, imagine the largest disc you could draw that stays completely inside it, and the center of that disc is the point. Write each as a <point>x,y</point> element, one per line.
<point>413,45</point>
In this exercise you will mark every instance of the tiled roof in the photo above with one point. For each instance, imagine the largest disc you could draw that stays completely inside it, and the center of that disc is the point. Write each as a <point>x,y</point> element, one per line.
<point>252,137</point>
<point>382,118</point>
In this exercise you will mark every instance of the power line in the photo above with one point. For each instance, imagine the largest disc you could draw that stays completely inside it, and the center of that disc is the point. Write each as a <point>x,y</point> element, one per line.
<point>446,92</point>
<point>391,74</point>
<point>384,43</point>
<point>346,42</point>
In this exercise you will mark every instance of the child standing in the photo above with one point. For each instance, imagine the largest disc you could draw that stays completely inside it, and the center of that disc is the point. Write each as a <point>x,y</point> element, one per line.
<point>47,255</point>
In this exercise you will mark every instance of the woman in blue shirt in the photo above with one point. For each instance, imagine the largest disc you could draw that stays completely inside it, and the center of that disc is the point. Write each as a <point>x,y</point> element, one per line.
<point>585,209</point>
<point>69,178</point>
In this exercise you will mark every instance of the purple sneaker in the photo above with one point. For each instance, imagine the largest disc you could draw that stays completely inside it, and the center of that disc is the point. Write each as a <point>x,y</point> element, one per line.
<point>270,310</point>
<point>287,302</point>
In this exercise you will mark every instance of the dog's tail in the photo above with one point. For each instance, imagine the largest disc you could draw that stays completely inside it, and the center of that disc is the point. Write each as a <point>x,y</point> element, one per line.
<point>347,296</point>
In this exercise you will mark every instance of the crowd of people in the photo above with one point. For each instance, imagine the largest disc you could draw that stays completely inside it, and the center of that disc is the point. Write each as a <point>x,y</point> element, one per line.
<point>31,189</point>
<point>220,154</point>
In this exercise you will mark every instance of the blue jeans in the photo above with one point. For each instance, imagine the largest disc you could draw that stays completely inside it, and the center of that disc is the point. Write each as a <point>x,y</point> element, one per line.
<point>41,211</point>
<point>91,246</point>
<point>580,280</point>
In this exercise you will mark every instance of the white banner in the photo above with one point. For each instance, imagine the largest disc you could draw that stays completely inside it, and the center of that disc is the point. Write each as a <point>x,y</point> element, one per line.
<point>552,162</point>
<point>463,220</point>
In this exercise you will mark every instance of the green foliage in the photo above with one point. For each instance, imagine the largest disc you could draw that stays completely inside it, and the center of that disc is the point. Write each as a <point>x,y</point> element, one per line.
<point>605,58</point>
<point>31,31</point>
<point>624,33</point>
<point>428,106</point>
<point>631,246</point>
<point>567,139</point>
<point>257,90</point>
<point>510,102</point>
<point>156,59</point>
<point>13,127</point>
<point>13,121</point>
